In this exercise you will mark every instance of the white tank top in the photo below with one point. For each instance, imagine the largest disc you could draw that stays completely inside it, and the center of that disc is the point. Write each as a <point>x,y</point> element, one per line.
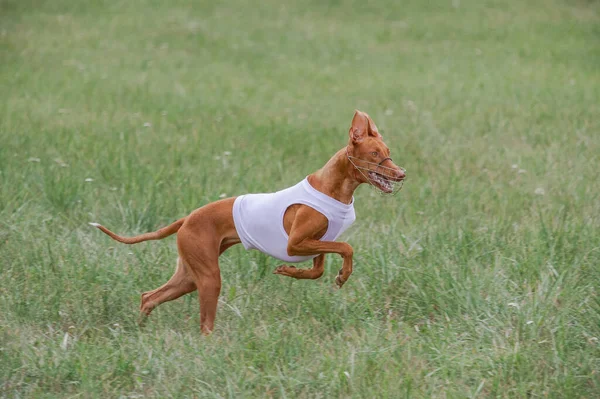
<point>258,218</point>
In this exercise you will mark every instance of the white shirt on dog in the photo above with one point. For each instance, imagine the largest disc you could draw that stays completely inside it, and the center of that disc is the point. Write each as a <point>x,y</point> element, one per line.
<point>258,218</point>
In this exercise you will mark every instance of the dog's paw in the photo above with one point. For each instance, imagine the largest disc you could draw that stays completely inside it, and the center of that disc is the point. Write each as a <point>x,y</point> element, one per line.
<point>283,270</point>
<point>142,318</point>
<point>338,281</point>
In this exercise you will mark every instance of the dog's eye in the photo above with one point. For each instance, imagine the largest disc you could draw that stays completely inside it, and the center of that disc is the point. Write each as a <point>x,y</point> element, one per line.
<point>374,153</point>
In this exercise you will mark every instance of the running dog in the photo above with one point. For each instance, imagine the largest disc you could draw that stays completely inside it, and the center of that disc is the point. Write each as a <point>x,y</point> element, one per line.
<point>296,224</point>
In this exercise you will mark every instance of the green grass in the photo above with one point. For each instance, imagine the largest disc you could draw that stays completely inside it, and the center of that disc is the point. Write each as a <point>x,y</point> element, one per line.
<point>481,279</point>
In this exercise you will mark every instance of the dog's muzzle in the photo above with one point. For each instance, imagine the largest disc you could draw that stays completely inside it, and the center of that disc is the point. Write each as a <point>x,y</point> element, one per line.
<point>386,180</point>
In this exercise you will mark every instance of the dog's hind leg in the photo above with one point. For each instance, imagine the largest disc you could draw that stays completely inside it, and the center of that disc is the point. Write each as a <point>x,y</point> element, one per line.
<point>209,288</point>
<point>200,250</point>
<point>206,233</point>
<point>203,266</point>
<point>180,284</point>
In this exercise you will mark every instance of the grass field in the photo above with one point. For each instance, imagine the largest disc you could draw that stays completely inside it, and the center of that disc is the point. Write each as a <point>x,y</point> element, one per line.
<point>480,279</point>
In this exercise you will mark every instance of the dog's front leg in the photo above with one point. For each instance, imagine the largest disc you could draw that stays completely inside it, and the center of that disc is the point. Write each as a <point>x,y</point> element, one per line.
<point>307,228</point>
<point>310,246</point>
<point>314,273</point>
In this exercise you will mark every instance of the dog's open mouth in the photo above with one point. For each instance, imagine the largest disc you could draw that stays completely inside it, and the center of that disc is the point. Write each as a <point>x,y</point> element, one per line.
<point>382,183</point>
<point>385,180</point>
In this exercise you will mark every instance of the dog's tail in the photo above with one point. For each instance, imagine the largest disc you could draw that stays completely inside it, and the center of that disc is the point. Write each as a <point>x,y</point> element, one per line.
<point>155,235</point>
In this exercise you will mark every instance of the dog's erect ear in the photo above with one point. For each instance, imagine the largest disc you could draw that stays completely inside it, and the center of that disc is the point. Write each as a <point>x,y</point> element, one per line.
<point>372,128</point>
<point>362,126</point>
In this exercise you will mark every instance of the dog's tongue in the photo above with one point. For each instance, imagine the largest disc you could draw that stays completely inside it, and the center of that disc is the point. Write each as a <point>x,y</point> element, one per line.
<point>382,183</point>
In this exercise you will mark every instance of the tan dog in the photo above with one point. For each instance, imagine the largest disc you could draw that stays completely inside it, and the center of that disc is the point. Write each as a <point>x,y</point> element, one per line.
<point>208,231</point>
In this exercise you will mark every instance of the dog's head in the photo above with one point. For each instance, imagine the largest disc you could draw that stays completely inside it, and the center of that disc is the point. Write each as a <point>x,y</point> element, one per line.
<point>370,156</point>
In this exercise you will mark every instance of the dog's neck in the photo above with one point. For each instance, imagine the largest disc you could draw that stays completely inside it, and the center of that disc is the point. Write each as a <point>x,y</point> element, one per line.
<point>337,178</point>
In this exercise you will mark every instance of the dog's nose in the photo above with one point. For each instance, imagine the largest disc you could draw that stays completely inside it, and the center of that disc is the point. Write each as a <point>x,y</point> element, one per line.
<point>400,174</point>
